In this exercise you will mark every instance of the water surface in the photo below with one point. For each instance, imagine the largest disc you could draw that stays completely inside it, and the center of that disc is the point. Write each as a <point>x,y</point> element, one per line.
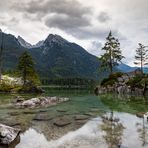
<point>129,131</point>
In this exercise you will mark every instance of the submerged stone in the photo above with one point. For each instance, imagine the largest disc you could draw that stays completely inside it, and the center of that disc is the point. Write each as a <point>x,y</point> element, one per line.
<point>62,121</point>
<point>42,117</point>
<point>81,117</point>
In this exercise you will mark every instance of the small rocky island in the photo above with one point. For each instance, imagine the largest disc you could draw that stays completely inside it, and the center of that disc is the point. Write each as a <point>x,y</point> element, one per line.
<point>131,83</point>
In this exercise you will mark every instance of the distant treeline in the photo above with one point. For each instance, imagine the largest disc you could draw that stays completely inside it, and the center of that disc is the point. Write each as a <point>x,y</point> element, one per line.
<point>60,81</point>
<point>69,82</point>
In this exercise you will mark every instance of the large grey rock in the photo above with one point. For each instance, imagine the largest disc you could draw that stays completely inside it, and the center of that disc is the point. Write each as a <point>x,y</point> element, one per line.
<point>8,134</point>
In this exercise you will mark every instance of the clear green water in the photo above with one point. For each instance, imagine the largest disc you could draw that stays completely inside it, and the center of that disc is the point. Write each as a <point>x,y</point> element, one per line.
<point>82,102</point>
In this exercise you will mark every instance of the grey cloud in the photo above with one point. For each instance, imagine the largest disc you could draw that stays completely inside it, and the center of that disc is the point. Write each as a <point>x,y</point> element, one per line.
<point>77,27</point>
<point>104,17</point>
<point>67,23</point>
<point>9,21</point>
<point>68,7</point>
<point>86,33</point>
<point>94,33</point>
<point>65,15</point>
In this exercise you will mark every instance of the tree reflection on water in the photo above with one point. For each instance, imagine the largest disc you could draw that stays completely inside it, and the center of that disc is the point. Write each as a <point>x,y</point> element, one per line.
<point>113,130</point>
<point>142,129</point>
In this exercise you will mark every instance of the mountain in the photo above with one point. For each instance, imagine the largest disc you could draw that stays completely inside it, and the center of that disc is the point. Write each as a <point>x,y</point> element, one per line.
<point>28,45</point>
<point>125,68</point>
<point>54,57</point>
<point>11,52</point>
<point>23,42</point>
<point>63,59</point>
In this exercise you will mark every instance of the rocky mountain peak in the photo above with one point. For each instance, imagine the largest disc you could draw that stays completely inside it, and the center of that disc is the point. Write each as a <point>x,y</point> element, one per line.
<point>53,38</point>
<point>23,42</point>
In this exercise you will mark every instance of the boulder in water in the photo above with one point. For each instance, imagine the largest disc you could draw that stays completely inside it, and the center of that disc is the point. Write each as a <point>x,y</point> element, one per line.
<point>8,134</point>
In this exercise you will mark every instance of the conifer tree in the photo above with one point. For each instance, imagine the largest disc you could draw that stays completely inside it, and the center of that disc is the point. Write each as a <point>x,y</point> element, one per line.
<point>26,67</point>
<point>141,57</point>
<point>112,55</point>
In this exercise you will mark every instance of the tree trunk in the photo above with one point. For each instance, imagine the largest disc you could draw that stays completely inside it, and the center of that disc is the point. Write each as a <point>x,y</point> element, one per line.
<point>24,76</point>
<point>145,89</point>
<point>1,52</point>
<point>110,64</point>
<point>141,64</point>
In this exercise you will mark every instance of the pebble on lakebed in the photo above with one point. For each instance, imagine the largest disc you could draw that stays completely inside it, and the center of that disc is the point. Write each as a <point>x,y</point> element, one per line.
<point>41,101</point>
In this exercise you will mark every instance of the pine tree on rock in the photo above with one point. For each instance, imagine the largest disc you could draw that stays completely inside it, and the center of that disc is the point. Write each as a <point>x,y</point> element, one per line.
<point>113,55</point>
<point>26,66</point>
<point>141,56</point>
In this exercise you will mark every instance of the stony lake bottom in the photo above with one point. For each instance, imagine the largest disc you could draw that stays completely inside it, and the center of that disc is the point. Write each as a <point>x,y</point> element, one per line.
<point>87,117</point>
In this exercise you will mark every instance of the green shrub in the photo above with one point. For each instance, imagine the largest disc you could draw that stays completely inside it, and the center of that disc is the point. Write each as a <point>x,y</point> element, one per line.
<point>138,81</point>
<point>4,87</point>
<point>116,75</point>
<point>112,79</point>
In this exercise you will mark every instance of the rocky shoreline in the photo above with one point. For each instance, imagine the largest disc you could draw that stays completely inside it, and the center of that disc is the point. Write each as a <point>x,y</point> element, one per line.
<point>121,90</point>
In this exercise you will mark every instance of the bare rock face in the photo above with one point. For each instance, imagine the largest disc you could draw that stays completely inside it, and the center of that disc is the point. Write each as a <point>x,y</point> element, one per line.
<point>8,134</point>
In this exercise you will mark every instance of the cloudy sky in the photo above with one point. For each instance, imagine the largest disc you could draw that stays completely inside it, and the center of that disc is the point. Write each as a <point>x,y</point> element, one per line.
<point>82,21</point>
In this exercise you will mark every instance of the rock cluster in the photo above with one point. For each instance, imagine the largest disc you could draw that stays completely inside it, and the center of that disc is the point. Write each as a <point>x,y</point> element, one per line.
<point>125,83</point>
<point>120,89</point>
<point>41,101</point>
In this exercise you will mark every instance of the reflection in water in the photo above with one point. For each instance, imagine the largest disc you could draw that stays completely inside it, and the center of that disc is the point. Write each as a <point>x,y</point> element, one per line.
<point>90,135</point>
<point>113,130</point>
<point>142,129</point>
<point>84,137</point>
<point>128,104</point>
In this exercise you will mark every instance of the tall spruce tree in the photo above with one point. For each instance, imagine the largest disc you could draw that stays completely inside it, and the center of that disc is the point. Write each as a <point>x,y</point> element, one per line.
<point>26,66</point>
<point>141,56</point>
<point>112,55</point>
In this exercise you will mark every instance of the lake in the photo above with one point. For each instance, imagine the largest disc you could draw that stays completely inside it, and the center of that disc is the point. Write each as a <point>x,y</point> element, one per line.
<point>104,121</point>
